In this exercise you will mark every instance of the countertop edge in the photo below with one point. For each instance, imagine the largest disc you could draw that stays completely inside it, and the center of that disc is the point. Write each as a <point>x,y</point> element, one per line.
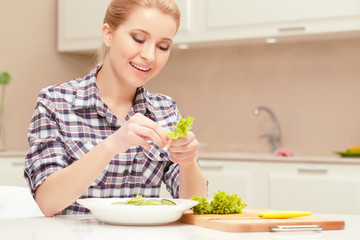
<point>243,156</point>
<point>12,154</point>
<point>266,157</point>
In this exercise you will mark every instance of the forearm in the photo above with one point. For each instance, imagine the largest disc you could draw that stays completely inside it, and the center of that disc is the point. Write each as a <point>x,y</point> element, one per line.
<point>192,181</point>
<point>64,187</point>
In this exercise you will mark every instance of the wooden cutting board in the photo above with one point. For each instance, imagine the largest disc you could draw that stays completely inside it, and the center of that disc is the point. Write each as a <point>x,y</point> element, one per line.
<point>248,221</point>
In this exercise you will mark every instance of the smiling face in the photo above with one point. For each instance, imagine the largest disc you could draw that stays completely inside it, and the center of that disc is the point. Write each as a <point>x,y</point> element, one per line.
<point>140,47</point>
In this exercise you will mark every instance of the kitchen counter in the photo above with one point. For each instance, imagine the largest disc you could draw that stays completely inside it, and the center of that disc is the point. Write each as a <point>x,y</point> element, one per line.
<point>13,154</point>
<point>242,156</point>
<point>234,156</point>
<point>88,227</point>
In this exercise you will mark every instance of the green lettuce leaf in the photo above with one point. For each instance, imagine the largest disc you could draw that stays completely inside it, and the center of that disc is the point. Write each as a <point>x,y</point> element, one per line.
<point>182,128</point>
<point>222,203</point>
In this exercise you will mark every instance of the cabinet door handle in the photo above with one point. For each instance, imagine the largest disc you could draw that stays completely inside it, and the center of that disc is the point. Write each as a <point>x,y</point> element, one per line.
<point>292,28</point>
<point>18,164</point>
<point>212,166</point>
<point>309,170</point>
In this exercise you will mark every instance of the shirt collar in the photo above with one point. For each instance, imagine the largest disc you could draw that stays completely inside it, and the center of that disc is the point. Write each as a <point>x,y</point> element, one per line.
<point>87,94</point>
<point>141,103</point>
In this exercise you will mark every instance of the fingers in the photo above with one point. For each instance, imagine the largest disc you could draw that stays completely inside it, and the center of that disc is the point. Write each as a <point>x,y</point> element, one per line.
<point>147,130</point>
<point>184,143</point>
<point>184,150</point>
<point>153,131</point>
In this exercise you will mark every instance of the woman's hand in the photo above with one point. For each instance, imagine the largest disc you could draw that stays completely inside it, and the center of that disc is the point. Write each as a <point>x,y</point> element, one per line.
<point>184,150</point>
<point>138,130</point>
<point>192,181</point>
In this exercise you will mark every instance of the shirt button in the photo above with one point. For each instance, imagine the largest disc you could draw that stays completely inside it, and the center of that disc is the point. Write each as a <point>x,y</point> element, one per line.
<point>126,172</point>
<point>162,155</point>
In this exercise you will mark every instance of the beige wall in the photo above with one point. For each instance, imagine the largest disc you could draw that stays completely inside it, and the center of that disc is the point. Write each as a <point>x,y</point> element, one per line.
<point>312,87</point>
<point>28,52</point>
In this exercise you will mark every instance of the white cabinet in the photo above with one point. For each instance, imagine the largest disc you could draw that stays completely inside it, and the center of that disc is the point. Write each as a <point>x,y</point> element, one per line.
<point>192,23</point>
<point>234,178</point>
<point>79,25</point>
<point>214,22</point>
<point>283,15</point>
<point>321,188</point>
<point>255,20</point>
<point>287,185</point>
<point>80,22</point>
<point>12,171</point>
<point>189,15</point>
<point>252,19</point>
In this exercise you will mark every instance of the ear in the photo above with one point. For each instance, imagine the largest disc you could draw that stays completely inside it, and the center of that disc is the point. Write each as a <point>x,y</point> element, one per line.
<point>107,33</point>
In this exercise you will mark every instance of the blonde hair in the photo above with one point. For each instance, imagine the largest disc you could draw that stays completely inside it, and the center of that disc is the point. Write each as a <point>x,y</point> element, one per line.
<point>119,10</point>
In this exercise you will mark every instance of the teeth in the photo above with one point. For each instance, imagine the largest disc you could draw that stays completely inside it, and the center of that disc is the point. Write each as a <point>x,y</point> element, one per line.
<point>140,68</point>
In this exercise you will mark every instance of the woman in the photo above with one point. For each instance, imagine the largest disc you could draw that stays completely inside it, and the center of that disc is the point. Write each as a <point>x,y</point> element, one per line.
<point>103,135</point>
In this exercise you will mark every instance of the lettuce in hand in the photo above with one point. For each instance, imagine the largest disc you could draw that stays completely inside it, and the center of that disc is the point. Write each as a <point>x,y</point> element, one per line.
<point>182,128</point>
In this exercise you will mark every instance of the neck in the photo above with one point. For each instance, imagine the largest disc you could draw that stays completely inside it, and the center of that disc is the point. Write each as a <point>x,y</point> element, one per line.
<point>111,89</point>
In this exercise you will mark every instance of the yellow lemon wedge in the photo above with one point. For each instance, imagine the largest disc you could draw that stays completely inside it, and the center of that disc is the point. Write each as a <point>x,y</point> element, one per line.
<point>354,149</point>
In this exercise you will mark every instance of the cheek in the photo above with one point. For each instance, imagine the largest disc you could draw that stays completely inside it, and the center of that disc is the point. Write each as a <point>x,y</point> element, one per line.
<point>123,49</point>
<point>162,59</point>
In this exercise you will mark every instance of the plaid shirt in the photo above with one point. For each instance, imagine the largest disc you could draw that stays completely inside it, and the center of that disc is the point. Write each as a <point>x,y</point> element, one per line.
<point>70,119</point>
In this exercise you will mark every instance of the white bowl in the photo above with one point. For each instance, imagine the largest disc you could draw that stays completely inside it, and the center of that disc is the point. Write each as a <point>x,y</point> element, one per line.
<point>110,213</point>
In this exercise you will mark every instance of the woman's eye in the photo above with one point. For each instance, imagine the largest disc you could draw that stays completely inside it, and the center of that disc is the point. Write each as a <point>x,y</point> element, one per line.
<point>164,48</point>
<point>138,40</point>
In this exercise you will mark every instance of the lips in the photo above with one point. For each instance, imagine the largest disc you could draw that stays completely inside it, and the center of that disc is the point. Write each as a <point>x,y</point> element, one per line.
<point>144,69</point>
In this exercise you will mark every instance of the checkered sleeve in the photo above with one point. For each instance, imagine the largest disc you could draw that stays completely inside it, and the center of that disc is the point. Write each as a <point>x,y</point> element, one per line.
<point>172,179</point>
<point>46,153</point>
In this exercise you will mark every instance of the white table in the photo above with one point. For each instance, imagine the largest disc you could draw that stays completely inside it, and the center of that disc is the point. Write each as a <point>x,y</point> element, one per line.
<point>88,227</point>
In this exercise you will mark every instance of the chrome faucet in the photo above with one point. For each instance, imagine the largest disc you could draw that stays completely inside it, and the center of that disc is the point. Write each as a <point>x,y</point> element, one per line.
<point>273,140</point>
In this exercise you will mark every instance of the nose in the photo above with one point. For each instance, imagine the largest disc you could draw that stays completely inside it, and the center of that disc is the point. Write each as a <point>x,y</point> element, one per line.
<point>148,52</point>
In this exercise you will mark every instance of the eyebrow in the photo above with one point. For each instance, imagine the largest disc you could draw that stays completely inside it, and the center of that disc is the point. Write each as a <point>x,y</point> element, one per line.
<point>147,33</point>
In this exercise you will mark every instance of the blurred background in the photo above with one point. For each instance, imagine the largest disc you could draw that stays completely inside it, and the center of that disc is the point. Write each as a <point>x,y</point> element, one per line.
<point>311,84</point>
